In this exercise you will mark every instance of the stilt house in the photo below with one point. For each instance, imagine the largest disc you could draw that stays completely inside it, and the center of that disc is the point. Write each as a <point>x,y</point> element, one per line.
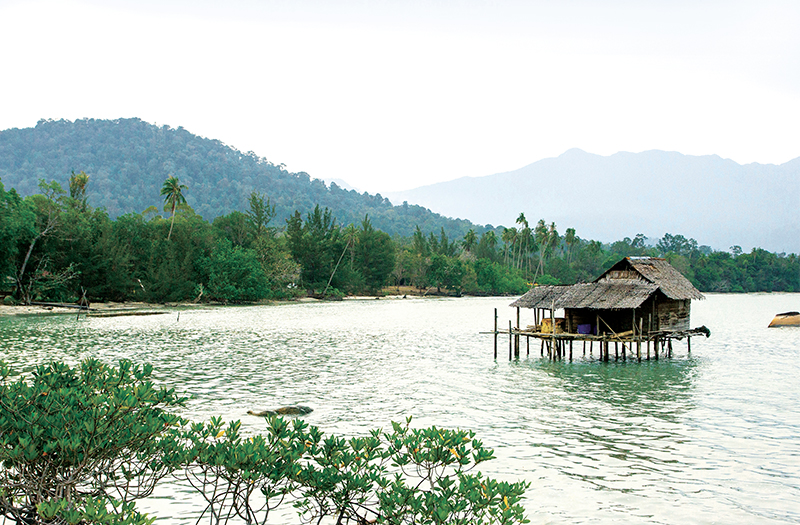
<point>638,296</point>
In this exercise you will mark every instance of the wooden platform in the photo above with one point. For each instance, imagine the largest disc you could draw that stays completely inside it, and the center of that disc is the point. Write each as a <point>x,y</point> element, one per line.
<point>624,345</point>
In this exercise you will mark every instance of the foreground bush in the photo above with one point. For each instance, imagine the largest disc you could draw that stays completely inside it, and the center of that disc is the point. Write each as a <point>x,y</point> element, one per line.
<point>81,445</point>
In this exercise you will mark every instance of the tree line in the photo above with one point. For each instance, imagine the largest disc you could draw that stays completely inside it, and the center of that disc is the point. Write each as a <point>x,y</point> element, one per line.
<point>55,246</point>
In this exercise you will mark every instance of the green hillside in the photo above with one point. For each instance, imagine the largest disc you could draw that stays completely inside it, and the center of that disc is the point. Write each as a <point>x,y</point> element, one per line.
<point>127,160</point>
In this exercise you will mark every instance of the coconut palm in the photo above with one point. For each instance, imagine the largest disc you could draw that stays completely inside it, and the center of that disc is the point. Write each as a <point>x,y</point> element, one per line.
<point>571,240</point>
<point>173,195</point>
<point>470,240</point>
<point>509,237</point>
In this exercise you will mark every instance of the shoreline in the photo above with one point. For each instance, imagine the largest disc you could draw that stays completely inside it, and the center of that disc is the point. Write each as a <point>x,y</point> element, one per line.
<point>101,309</point>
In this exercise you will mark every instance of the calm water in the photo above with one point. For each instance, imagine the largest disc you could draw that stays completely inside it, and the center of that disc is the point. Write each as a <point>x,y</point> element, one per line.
<point>711,437</point>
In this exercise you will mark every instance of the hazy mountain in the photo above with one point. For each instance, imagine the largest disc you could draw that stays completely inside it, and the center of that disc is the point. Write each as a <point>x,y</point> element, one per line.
<point>127,161</point>
<point>716,201</point>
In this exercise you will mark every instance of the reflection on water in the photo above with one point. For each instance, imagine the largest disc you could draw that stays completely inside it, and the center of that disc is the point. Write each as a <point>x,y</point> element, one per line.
<point>709,438</point>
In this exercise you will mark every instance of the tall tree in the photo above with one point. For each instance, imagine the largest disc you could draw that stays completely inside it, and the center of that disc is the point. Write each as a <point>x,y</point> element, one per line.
<point>261,212</point>
<point>172,190</point>
<point>571,240</point>
<point>77,189</point>
<point>470,240</point>
<point>47,207</point>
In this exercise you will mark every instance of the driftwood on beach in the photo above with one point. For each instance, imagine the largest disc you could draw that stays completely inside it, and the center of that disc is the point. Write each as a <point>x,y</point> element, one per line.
<point>121,313</point>
<point>62,305</point>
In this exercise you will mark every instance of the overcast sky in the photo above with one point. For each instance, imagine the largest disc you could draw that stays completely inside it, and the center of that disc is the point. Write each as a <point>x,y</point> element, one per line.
<point>391,95</point>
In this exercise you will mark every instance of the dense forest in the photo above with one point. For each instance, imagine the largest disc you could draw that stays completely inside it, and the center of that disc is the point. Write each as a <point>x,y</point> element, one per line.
<point>55,246</point>
<point>128,159</point>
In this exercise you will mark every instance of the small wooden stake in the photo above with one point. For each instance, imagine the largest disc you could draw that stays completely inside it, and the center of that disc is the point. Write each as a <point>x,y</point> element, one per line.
<point>495,333</point>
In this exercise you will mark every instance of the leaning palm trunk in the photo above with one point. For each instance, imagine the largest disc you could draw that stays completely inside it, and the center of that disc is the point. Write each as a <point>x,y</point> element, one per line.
<point>171,223</point>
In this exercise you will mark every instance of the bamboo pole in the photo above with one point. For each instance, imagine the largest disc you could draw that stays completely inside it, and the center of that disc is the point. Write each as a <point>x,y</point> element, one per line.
<point>553,323</point>
<point>639,342</point>
<point>510,339</point>
<point>495,333</point>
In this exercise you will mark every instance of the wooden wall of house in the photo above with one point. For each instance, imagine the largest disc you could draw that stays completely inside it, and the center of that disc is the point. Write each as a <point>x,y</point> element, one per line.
<point>657,313</point>
<point>674,315</point>
<point>618,320</point>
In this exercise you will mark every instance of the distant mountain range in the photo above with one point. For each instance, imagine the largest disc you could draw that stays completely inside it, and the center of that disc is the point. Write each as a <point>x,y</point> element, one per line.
<point>716,201</point>
<point>127,161</point>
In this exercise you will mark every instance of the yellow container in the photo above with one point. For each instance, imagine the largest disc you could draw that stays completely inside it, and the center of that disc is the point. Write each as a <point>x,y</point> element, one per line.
<point>547,328</point>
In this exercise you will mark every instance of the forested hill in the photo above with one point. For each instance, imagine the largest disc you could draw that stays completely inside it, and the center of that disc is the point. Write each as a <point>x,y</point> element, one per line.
<point>127,161</point>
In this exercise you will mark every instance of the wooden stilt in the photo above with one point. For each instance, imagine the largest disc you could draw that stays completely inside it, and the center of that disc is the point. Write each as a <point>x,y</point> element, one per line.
<point>669,344</point>
<point>553,324</point>
<point>528,345</point>
<point>570,350</point>
<point>689,344</point>
<point>495,333</point>
<point>510,339</point>
<point>542,351</point>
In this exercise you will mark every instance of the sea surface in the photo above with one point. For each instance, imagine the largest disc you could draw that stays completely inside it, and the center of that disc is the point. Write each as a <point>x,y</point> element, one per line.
<point>711,436</point>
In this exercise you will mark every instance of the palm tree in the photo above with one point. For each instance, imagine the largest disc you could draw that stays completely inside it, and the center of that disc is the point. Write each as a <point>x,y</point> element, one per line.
<point>173,195</point>
<point>509,237</point>
<point>570,239</point>
<point>470,240</point>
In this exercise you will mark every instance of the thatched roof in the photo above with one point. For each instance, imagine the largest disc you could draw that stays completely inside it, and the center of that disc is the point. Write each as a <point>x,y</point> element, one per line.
<point>607,295</point>
<point>626,285</point>
<point>655,270</point>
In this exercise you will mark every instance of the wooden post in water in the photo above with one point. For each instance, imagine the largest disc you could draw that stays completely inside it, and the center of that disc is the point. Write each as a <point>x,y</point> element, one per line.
<point>689,344</point>
<point>510,339</point>
<point>553,325</point>
<point>516,338</point>
<point>616,350</point>
<point>528,344</point>
<point>639,342</point>
<point>655,348</point>
<point>541,353</point>
<point>495,333</point>
<point>669,344</point>
<point>570,349</point>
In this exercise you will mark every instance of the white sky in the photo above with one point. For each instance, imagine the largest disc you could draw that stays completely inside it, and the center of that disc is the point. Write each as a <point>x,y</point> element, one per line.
<point>392,94</point>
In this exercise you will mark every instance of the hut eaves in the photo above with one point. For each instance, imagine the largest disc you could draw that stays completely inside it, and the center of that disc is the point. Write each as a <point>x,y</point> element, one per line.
<point>615,294</point>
